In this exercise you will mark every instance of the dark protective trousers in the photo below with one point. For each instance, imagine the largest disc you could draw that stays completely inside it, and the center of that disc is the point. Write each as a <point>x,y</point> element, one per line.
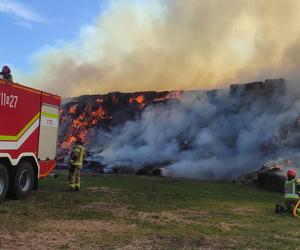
<point>74,177</point>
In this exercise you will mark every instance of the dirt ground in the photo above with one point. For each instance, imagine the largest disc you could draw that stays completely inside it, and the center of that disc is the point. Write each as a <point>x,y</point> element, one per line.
<point>92,234</point>
<point>133,212</point>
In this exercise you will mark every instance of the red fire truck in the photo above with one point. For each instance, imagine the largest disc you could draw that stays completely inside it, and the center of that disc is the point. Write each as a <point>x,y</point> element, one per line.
<point>28,137</point>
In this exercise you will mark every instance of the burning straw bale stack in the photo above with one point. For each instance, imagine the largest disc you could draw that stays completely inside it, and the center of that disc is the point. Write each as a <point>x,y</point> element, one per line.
<point>82,115</point>
<point>239,114</point>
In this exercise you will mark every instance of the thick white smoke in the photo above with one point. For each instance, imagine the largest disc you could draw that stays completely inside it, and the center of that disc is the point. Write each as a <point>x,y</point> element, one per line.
<point>203,137</point>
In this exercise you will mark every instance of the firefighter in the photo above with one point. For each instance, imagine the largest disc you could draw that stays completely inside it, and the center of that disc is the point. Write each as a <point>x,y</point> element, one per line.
<point>6,73</point>
<point>76,162</point>
<point>291,192</point>
<point>291,189</point>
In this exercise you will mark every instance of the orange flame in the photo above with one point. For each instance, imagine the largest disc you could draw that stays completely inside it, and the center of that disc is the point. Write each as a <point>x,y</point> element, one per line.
<point>90,117</point>
<point>82,135</point>
<point>68,143</point>
<point>100,113</point>
<point>140,99</point>
<point>73,109</point>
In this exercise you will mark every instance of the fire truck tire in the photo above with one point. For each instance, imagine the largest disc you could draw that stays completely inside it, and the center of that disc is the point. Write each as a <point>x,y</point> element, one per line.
<point>22,180</point>
<point>4,182</point>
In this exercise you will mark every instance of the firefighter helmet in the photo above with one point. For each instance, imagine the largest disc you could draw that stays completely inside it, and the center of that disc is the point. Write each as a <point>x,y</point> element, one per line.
<point>291,172</point>
<point>6,69</point>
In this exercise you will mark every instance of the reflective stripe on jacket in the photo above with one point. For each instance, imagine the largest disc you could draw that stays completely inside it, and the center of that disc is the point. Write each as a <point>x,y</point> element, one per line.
<point>290,189</point>
<point>78,150</point>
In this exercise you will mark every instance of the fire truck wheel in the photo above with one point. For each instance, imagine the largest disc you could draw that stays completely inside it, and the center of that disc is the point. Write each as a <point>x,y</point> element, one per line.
<point>4,181</point>
<point>22,180</point>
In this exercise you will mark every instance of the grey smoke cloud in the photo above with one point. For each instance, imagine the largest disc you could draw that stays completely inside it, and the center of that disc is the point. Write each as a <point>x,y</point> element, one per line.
<point>226,137</point>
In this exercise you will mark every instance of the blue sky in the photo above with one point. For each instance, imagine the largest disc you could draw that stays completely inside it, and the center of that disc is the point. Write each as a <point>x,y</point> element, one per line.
<point>29,25</point>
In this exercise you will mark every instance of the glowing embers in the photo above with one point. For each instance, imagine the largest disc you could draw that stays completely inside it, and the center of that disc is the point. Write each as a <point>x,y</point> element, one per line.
<point>140,100</point>
<point>73,109</point>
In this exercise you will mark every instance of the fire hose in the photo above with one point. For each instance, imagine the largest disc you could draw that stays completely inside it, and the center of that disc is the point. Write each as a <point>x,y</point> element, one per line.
<point>295,209</point>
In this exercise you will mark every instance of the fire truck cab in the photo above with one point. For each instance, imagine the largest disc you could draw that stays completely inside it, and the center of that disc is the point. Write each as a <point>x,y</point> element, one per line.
<point>28,137</point>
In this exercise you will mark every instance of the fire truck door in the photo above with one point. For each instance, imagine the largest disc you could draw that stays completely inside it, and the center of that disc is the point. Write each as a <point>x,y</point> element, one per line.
<point>48,132</point>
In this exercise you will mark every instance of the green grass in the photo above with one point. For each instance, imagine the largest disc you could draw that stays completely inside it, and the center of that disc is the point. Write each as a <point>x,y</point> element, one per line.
<point>115,211</point>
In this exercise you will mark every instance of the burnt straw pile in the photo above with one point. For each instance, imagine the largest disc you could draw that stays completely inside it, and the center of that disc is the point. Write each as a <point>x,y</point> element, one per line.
<point>216,134</point>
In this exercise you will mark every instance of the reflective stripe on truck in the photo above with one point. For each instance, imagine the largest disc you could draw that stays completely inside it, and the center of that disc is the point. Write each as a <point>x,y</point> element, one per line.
<point>13,142</point>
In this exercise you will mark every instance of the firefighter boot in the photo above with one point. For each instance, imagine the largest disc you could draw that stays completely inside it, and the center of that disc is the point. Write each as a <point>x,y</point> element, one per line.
<point>72,187</point>
<point>77,187</point>
<point>279,208</point>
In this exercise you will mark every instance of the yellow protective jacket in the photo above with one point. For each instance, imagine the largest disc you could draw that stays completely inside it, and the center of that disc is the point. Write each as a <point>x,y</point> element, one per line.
<point>77,155</point>
<point>291,189</point>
